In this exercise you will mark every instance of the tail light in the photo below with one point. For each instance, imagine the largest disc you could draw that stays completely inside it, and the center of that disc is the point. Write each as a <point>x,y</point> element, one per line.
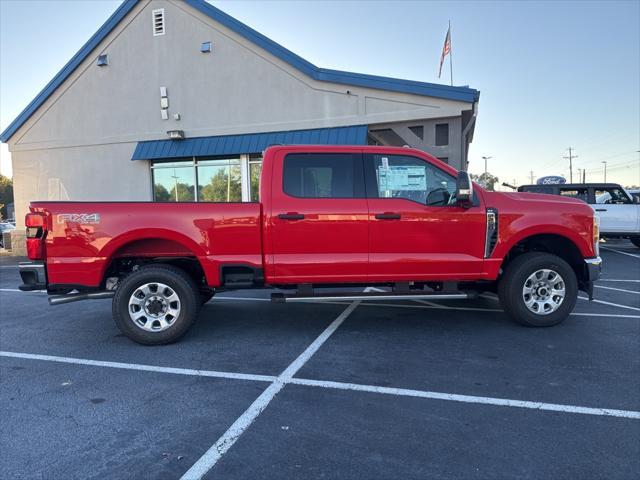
<point>36,224</point>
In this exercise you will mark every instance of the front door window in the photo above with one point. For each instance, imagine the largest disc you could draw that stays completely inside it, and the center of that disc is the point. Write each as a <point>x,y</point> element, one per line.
<point>413,179</point>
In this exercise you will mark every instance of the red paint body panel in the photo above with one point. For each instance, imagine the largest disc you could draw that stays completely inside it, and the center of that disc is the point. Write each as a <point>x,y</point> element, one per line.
<point>215,233</point>
<point>329,245</point>
<point>338,241</point>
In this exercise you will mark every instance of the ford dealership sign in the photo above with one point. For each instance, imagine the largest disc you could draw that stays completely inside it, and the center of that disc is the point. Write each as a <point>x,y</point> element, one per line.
<point>551,180</point>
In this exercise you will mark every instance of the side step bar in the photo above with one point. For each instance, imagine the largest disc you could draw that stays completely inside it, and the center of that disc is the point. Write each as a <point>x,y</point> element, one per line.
<point>282,298</point>
<point>76,297</point>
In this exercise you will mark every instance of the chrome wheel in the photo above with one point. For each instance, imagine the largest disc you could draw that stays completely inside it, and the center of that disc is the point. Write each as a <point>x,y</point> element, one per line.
<point>543,291</point>
<point>154,307</point>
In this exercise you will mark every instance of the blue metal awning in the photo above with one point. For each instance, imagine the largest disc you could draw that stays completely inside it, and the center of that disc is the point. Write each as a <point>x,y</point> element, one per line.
<point>248,143</point>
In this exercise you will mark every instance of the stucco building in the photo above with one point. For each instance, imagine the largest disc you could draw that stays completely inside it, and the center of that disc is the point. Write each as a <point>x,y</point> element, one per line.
<point>174,100</point>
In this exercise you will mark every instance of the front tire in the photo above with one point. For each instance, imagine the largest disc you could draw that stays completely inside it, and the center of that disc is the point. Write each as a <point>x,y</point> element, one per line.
<point>538,289</point>
<point>156,304</point>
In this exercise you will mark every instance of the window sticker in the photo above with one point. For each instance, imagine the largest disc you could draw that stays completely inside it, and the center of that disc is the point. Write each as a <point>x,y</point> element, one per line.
<point>385,163</point>
<point>401,178</point>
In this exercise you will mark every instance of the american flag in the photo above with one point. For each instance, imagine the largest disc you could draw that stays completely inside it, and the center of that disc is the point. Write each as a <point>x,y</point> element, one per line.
<point>446,49</point>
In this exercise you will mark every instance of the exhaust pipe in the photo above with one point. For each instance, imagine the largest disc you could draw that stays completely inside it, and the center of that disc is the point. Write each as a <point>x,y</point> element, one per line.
<point>76,297</point>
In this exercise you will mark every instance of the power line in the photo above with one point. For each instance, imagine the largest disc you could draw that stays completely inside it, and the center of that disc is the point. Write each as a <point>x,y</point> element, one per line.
<point>615,155</point>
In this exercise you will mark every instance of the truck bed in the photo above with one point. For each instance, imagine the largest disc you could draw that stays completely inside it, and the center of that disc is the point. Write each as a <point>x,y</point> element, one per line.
<point>84,236</point>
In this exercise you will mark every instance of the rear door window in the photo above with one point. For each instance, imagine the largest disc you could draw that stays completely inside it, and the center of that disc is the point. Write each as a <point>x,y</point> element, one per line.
<point>323,175</point>
<point>580,193</point>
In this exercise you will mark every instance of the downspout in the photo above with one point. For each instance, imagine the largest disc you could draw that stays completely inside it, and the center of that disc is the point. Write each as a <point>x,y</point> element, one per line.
<point>465,133</point>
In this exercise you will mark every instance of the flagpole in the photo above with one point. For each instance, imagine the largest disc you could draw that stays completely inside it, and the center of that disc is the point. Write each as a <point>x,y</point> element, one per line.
<point>450,54</point>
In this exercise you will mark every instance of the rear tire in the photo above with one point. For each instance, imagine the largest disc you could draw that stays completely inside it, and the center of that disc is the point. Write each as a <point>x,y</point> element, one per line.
<point>635,241</point>
<point>538,289</point>
<point>156,304</point>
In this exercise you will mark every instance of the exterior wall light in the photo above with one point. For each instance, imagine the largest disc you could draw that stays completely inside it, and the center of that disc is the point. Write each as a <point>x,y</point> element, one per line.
<point>176,134</point>
<point>103,60</point>
<point>205,47</point>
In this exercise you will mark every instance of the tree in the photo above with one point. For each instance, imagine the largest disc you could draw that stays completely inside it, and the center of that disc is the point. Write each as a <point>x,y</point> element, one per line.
<point>486,180</point>
<point>223,188</point>
<point>6,194</point>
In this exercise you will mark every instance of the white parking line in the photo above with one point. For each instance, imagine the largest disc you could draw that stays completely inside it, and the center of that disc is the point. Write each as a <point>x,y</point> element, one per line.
<point>503,402</point>
<point>617,280</point>
<point>617,289</point>
<point>492,297</point>
<point>144,368</point>
<point>577,314</point>
<point>226,441</point>
<point>611,304</point>
<point>620,252</point>
<point>432,304</point>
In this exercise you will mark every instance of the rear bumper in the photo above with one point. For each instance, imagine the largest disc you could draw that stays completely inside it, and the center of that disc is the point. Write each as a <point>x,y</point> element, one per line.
<point>34,276</point>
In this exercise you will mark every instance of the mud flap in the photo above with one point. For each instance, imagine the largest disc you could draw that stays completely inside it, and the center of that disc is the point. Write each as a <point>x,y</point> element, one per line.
<point>590,290</point>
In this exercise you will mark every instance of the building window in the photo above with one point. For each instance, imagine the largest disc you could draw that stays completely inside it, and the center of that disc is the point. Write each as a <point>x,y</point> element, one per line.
<point>418,131</point>
<point>442,134</point>
<point>174,182</point>
<point>255,168</point>
<point>219,180</point>
<point>207,179</point>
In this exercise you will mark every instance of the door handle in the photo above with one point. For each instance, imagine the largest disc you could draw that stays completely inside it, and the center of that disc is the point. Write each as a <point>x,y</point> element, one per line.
<point>291,216</point>
<point>601,209</point>
<point>388,216</point>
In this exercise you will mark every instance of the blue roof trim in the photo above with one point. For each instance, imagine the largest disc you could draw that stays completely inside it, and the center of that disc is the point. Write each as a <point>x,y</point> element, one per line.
<point>68,69</point>
<point>464,94</point>
<point>248,143</point>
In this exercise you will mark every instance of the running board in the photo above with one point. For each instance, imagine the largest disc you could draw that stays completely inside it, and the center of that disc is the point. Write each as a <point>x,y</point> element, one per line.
<point>76,297</point>
<point>282,298</point>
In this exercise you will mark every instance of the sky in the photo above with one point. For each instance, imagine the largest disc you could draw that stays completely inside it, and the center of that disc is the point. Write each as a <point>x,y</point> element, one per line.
<point>551,74</point>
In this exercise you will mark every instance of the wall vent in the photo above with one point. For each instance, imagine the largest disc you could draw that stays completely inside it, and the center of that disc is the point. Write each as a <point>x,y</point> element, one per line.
<point>157,16</point>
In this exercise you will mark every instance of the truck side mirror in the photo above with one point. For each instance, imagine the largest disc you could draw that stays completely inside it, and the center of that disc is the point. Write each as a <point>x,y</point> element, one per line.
<point>464,190</point>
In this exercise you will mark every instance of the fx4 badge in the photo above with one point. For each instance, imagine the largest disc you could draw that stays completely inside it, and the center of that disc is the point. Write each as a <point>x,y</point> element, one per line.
<point>83,218</point>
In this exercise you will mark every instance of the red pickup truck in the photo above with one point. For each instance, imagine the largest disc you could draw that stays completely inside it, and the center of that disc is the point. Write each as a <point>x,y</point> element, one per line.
<point>328,216</point>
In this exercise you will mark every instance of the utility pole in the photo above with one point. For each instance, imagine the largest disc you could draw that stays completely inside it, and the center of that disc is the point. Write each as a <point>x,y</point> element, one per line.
<point>570,158</point>
<point>531,175</point>
<point>605,170</point>
<point>580,170</point>
<point>485,163</point>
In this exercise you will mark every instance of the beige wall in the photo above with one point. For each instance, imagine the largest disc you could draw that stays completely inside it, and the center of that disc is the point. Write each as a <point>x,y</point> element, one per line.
<point>78,145</point>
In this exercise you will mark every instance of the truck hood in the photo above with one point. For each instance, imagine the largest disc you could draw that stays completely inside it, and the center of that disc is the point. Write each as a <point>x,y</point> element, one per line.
<point>537,198</point>
<point>537,203</point>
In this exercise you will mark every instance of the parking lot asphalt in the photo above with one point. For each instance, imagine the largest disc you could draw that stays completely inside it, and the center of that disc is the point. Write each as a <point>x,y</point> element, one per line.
<point>325,390</point>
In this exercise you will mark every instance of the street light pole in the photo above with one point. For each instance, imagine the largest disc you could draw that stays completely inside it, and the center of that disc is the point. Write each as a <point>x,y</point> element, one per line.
<point>605,170</point>
<point>485,163</point>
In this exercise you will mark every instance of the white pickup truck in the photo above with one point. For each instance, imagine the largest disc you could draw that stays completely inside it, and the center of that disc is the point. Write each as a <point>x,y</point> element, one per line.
<point>618,210</point>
